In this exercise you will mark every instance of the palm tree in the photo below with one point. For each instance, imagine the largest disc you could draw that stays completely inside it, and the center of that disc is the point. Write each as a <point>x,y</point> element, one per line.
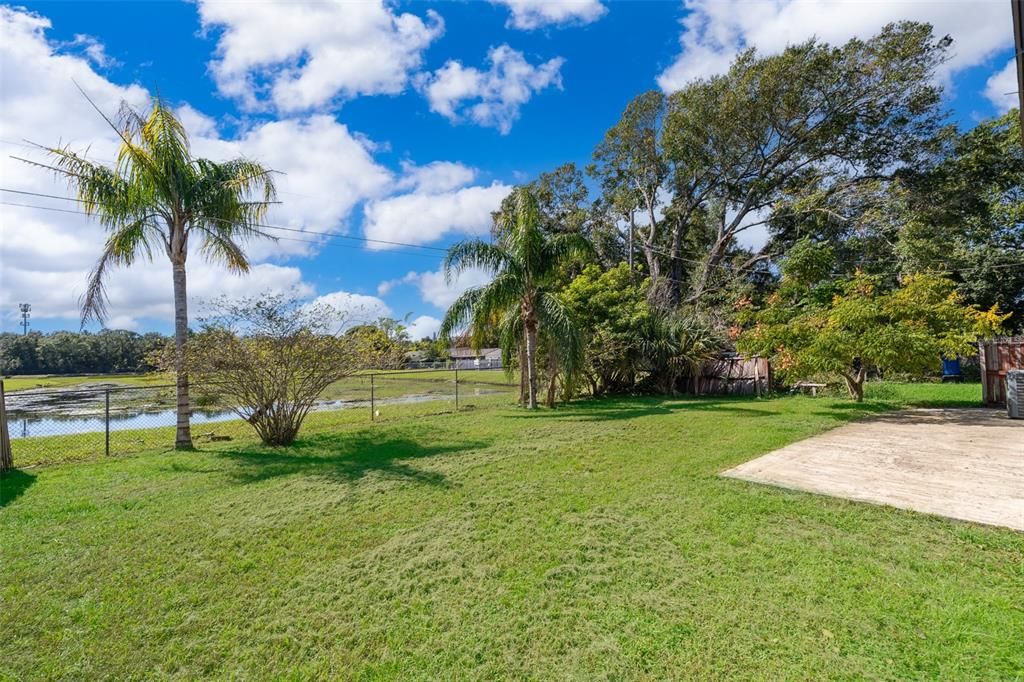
<point>679,344</point>
<point>156,198</point>
<point>525,262</point>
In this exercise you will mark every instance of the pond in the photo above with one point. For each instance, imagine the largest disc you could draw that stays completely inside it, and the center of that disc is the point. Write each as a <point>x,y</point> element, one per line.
<point>53,413</point>
<point>29,425</point>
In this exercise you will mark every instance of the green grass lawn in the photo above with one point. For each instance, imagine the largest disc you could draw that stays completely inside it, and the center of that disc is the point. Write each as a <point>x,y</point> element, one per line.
<point>593,541</point>
<point>394,384</point>
<point>21,383</point>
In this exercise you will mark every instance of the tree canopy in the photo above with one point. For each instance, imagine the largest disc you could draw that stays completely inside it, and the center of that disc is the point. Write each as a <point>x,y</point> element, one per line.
<point>815,325</point>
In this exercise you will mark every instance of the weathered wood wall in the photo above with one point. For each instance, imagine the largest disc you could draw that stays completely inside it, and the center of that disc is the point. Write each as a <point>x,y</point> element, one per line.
<point>998,356</point>
<point>731,375</point>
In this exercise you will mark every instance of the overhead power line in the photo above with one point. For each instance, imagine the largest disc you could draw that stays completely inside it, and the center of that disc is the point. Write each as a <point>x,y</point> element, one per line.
<point>287,239</point>
<point>332,235</point>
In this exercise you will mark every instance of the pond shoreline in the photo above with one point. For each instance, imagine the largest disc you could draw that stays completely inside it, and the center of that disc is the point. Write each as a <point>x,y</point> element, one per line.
<point>30,423</point>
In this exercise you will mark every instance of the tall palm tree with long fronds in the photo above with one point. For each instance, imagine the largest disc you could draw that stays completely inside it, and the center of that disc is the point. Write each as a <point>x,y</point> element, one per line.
<point>159,198</point>
<point>525,262</point>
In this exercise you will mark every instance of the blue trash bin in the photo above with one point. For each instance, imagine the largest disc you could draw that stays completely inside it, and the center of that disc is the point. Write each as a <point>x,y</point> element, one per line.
<point>951,369</point>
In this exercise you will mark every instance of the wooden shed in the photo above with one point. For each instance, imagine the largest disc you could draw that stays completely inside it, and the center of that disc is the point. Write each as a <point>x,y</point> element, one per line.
<point>731,374</point>
<point>996,357</point>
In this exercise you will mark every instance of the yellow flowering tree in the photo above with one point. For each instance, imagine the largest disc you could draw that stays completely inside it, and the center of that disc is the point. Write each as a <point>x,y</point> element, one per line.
<point>814,325</point>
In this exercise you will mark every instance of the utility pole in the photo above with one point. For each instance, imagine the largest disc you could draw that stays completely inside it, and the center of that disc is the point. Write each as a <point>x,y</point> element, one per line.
<point>26,312</point>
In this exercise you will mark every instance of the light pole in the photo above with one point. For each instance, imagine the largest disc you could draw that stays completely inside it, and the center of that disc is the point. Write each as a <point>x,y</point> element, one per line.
<point>26,312</point>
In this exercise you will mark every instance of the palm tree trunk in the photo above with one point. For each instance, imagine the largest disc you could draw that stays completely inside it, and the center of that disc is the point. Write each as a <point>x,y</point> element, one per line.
<point>531,363</point>
<point>522,375</point>
<point>183,437</point>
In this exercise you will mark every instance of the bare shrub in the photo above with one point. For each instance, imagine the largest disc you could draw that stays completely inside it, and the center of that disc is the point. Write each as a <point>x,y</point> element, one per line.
<point>271,358</point>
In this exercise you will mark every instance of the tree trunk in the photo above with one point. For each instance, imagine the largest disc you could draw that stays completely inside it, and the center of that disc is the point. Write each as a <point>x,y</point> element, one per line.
<point>855,384</point>
<point>629,245</point>
<point>654,270</point>
<point>522,375</point>
<point>648,245</point>
<point>183,437</point>
<point>670,384</point>
<point>531,363</point>
<point>552,378</point>
<point>675,267</point>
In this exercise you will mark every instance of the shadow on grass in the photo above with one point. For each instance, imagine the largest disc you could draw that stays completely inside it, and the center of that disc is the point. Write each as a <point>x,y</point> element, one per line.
<point>606,409</point>
<point>852,410</point>
<point>943,414</point>
<point>947,403</point>
<point>13,485</point>
<point>344,457</point>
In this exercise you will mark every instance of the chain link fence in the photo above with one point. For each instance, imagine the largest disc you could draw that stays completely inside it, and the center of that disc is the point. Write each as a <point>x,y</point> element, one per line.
<point>104,419</point>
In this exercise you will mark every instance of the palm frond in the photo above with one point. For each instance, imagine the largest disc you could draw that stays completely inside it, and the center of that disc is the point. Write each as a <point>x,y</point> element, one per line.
<point>558,325</point>
<point>562,247</point>
<point>683,341</point>
<point>520,229</point>
<point>474,253</point>
<point>478,304</point>
<point>460,312</point>
<point>249,178</point>
<point>122,247</point>
<point>217,246</point>
<point>219,197</point>
<point>123,131</point>
<point>510,337</point>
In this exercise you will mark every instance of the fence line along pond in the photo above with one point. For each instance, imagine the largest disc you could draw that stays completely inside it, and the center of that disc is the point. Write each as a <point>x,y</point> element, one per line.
<point>107,407</point>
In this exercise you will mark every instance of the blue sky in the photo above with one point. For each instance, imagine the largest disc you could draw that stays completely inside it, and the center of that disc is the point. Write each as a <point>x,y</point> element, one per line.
<point>401,121</point>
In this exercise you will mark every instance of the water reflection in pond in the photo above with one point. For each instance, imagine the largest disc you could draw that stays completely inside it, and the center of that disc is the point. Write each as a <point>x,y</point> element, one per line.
<point>30,426</point>
<point>33,419</point>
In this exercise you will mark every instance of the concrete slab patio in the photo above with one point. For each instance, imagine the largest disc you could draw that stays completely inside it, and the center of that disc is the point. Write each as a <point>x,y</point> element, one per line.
<point>961,463</point>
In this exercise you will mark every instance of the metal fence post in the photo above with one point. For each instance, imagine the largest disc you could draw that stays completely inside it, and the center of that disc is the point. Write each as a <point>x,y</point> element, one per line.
<point>456,386</point>
<point>6,456</point>
<point>373,413</point>
<point>107,420</point>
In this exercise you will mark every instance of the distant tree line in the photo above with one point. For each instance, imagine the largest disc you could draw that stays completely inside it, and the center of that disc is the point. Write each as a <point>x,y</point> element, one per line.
<point>110,351</point>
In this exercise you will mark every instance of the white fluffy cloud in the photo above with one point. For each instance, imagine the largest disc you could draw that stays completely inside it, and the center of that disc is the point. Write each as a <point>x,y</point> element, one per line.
<point>423,327</point>
<point>421,218</point>
<point>434,288</point>
<point>302,55</point>
<point>1001,87</point>
<point>358,308</point>
<point>715,30</point>
<point>325,172</point>
<point>438,203</point>
<point>46,255</point>
<point>438,176</point>
<point>490,98</point>
<point>93,49</point>
<point>531,14</point>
